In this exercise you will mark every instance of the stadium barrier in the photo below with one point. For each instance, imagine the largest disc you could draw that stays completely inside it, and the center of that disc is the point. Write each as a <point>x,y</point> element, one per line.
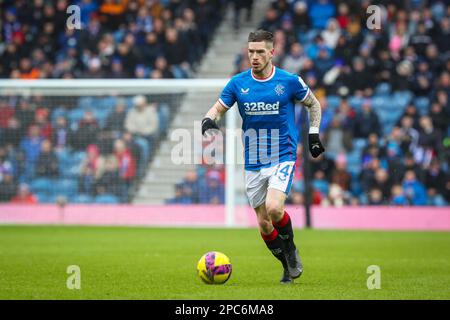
<point>369,218</point>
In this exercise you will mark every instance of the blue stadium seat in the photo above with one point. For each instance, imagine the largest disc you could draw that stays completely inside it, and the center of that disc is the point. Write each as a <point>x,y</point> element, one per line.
<point>77,157</point>
<point>422,104</point>
<point>359,143</point>
<point>354,157</point>
<point>200,172</point>
<point>164,117</point>
<point>42,185</point>
<point>81,198</point>
<point>355,187</point>
<point>129,103</point>
<point>46,197</point>
<point>63,156</point>
<point>333,102</point>
<point>107,199</point>
<point>69,171</point>
<point>355,102</point>
<point>402,98</point>
<point>101,115</point>
<point>58,112</point>
<point>321,185</point>
<point>107,103</point>
<point>66,187</point>
<point>75,115</point>
<point>354,169</point>
<point>298,186</point>
<point>383,89</point>
<point>86,103</point>
<point>381,102</point>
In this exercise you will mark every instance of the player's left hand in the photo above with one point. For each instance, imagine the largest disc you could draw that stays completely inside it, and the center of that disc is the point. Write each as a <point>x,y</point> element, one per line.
<point>315,146</point>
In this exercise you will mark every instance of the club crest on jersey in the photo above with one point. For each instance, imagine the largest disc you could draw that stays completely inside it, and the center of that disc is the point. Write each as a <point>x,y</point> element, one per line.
<point>245,91</point>
<point>279,89</point>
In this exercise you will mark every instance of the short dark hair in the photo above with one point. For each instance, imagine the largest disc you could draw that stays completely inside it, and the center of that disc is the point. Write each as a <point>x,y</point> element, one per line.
<point>260,35</point>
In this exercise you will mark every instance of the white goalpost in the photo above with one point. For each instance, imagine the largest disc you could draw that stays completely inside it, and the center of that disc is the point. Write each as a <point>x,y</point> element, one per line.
<point>186,101</point>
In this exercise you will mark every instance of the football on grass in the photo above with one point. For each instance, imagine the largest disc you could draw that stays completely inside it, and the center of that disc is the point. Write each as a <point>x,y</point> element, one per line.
<point>214,268</point>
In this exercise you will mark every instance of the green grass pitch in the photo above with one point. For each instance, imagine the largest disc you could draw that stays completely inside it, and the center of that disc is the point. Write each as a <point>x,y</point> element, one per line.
<point>160,263</point>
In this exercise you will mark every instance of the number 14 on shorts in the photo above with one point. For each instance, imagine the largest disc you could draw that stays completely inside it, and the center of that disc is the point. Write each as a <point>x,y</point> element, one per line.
<point>283,171</point>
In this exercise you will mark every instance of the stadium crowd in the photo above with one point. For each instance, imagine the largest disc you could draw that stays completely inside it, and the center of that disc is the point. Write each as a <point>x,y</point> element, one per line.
<point>91,149</point>
<point>79,153</point>
<point>117,38</point>
<point>384,94</point>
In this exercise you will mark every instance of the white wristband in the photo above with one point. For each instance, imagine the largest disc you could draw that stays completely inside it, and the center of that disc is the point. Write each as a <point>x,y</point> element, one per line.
<point>313,130</point>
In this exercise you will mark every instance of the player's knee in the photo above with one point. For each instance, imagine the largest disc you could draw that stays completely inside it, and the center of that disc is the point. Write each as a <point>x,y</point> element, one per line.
<point>275,210</point>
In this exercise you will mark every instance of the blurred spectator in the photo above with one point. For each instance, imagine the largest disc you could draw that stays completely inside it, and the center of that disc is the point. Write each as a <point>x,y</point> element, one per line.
<point>366,122</point>
<point>31,146</point>
<point>410,136</point>
<point>429,143</point>
<point>91,169</point>
<point>375,197</point>
<point>8,187</point>
<point>24,114</point>
<point>127,167</point>
<point>191,186</point>
<point>142,120</point>
<point>331,34</point>
<point>414,190</point>
<point>440,119</point>
<point>47,162</point>
<point>109,181</point>
<point>335,139</point>
<point>343,15</point>
<point>336,196</point>
<point>24,196</point>
<point>411,112</point>
<point>294,60</point>
<point>41,120</point>
<point>180,197</point>
<point>435,177</point>
<point>213,192</point>
<point>12,134</point>
<point>321,11</point>
<point>340,176</point>
<point>300,17</point>
<point>87,130</point>
<point>162,66</point>
<point>6,167</point>
<point>61,134</point>
<point>6,113</point>
<point>383,183</point>
<point>398,197</point>
<point>324,164</point>
<point>116,120</point>
<point>238,6</point>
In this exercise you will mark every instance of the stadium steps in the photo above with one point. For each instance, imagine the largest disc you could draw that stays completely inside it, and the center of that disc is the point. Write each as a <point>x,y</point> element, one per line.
<point>163,174</point>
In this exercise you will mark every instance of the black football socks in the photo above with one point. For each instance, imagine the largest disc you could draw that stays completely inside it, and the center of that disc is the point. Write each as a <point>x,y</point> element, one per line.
<point>275,245</point>
<point>285,232</point>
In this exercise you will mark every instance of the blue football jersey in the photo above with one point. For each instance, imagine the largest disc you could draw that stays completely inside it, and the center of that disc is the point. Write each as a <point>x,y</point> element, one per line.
<point>267,108</point>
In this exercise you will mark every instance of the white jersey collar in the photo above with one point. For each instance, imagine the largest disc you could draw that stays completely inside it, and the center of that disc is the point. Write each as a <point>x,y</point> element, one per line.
<point>264,79</point>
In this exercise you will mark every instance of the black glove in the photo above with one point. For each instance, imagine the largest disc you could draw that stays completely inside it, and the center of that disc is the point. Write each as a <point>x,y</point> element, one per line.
<point>315,146</point>
<point>207,124</point>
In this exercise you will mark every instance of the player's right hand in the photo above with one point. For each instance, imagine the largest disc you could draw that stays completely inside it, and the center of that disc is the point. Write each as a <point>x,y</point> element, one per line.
<point>208,123</point>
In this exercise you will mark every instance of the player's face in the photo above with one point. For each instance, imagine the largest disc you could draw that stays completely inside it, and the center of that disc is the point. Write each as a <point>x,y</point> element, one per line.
<point>260,54</point>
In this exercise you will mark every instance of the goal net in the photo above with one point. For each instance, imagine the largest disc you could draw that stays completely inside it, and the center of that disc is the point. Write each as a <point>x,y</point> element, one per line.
<point>110,141</point>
